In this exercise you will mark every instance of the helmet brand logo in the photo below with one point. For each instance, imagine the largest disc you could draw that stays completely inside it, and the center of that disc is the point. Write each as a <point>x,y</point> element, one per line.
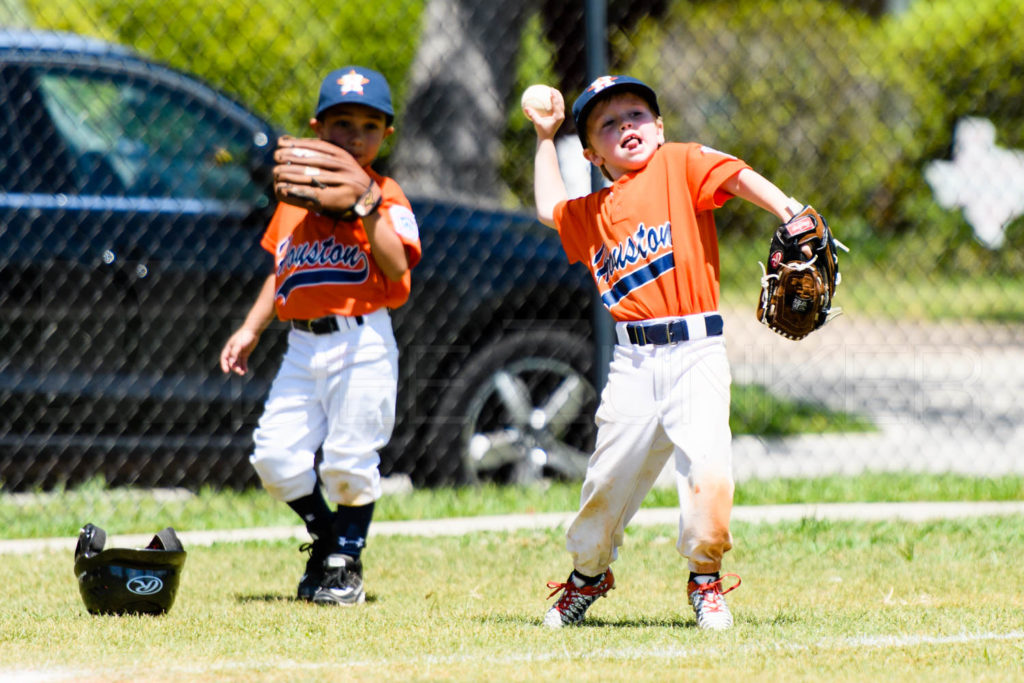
<point>145,585</point>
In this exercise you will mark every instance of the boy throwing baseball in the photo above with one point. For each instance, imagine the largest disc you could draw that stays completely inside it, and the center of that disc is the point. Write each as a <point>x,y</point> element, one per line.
<point>343,245</point>
<point>649,241</point>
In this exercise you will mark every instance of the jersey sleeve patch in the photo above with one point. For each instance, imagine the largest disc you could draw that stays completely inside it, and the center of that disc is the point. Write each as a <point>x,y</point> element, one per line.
<point>404,222</point>
<point>711,150</point>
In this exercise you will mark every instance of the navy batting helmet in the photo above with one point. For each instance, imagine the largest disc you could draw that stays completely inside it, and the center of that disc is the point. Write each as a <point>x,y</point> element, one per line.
<point>605,86</point>
<point>128,581</point>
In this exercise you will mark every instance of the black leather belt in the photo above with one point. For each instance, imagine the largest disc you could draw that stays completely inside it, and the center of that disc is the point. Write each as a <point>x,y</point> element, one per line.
<point>325,325</point>
<point>673,331</point>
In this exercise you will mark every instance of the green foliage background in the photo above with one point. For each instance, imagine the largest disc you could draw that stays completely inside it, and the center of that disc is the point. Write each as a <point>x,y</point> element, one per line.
<point>844,111</point>
<point>960,58</point>
<point>270,55</point>
<point>838,108</point>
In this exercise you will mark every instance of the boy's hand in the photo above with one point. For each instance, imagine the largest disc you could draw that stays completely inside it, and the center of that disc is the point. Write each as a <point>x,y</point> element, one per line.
<point>800,279</point>
<point>547,122</point>
<point>234,357</point>
<point>319,176</point>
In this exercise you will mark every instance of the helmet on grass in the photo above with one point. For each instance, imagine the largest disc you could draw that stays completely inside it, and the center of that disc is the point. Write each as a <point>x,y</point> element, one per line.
<point>128,581</point>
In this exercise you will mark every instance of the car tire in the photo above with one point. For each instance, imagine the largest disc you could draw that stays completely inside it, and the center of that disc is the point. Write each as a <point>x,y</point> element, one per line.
<point>519,411</point>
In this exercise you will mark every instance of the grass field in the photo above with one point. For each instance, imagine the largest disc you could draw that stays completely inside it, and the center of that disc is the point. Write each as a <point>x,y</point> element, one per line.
<point>820,600</point>
<point>925,291</point>
<point>127,511</point>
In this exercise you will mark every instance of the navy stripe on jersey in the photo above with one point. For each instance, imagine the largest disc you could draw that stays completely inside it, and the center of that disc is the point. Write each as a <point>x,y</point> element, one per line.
<point>639,278</point>
<point>324,276</point>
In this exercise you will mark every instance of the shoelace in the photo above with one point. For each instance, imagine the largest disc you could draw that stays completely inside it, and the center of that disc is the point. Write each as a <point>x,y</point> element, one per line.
<point>567,586</point>
<point>574,600</point>
<point>338,575</point>
<point>711,593</point>
<point>571,589</point>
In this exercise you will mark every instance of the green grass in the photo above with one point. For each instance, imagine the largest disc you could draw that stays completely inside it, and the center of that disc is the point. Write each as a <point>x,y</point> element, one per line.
<point>819,601</point>
<point>923,298</point>
<point>880,488</point>
<point>126,511</point>
<point>872,287</point>
<point>754,410</point>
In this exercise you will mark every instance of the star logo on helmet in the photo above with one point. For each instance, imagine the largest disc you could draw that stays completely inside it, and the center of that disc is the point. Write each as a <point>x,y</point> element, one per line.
<point>601,83</point>
<point>352,82</point>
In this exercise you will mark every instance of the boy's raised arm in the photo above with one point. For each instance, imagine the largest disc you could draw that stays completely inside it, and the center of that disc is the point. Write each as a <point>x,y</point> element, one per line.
<point>548,186</point>
<point>758,190</point>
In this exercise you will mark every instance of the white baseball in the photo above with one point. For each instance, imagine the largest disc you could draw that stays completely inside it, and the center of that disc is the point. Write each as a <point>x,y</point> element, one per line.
<point>538,98</point>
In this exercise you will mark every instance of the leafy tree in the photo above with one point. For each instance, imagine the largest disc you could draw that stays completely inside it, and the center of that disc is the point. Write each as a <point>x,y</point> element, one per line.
<point>268,54</point>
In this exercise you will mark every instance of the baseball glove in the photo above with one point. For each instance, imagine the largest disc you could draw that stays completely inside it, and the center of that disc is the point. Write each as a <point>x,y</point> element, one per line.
<point>800,280</point>
<point>322,177</point>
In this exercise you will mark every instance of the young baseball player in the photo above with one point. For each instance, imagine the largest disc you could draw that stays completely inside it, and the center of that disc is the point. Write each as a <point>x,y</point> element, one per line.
<point>333,281</point>
<point>649,240</point>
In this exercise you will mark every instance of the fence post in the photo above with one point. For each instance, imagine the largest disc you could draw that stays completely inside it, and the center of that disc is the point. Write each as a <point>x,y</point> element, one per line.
<point>596,46</point>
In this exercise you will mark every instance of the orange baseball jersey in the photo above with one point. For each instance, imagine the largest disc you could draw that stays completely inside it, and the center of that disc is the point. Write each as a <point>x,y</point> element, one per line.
<point>324,266</point>
<point>649,239</point>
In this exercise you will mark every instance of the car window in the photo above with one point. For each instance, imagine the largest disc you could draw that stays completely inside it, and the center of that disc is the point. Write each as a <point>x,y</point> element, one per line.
<point>133,138</point>
<point>33,157</point>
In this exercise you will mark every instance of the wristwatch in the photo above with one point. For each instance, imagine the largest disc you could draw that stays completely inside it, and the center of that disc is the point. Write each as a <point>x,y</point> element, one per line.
<point>369,202</point>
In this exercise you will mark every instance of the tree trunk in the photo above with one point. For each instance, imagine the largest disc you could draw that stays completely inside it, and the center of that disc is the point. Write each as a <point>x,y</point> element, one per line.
<point>460,84</point>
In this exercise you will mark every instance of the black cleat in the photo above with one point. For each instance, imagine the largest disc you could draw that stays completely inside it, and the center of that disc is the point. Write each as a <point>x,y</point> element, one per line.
<point>314,574</point>
<point>342,582</point>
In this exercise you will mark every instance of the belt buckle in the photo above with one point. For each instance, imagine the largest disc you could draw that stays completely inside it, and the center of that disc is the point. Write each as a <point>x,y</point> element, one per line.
<point>683,331</point>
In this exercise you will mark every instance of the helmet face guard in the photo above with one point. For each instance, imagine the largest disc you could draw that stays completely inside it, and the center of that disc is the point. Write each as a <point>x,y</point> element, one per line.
<point>128,581</point>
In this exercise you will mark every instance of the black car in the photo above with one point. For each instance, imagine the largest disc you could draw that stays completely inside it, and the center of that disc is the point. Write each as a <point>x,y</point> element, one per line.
<point>132,201</point>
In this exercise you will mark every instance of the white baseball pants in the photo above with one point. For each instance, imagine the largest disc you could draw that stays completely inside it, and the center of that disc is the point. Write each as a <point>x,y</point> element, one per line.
<point>337,391</point>
<point>660,401</point>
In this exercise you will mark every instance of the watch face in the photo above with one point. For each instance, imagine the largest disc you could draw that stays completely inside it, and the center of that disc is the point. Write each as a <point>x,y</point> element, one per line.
<point>369,202</point>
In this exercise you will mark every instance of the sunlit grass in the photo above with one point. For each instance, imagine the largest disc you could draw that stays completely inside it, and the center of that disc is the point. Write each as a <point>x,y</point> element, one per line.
<point>126,511</point>
<point>819,601</point>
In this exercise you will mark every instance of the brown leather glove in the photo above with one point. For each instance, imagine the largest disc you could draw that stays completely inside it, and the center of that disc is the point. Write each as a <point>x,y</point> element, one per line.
<point>320,176</point>
<point>801,276</point>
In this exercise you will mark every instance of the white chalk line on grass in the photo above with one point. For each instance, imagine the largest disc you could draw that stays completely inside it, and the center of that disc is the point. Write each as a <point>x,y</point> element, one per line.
<point>913,512</point>
<point>457,526</point>
<point>714,648</point>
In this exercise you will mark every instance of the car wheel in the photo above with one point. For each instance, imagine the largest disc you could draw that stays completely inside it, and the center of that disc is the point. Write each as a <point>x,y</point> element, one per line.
<point>520,410</point>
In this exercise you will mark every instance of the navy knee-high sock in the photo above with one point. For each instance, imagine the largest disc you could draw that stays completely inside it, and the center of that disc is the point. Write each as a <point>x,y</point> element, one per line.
<point>351,526</point>
<point>318,518</point>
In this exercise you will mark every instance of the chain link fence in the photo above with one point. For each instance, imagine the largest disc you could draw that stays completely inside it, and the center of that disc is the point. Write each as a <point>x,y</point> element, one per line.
<point>134,169</point>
